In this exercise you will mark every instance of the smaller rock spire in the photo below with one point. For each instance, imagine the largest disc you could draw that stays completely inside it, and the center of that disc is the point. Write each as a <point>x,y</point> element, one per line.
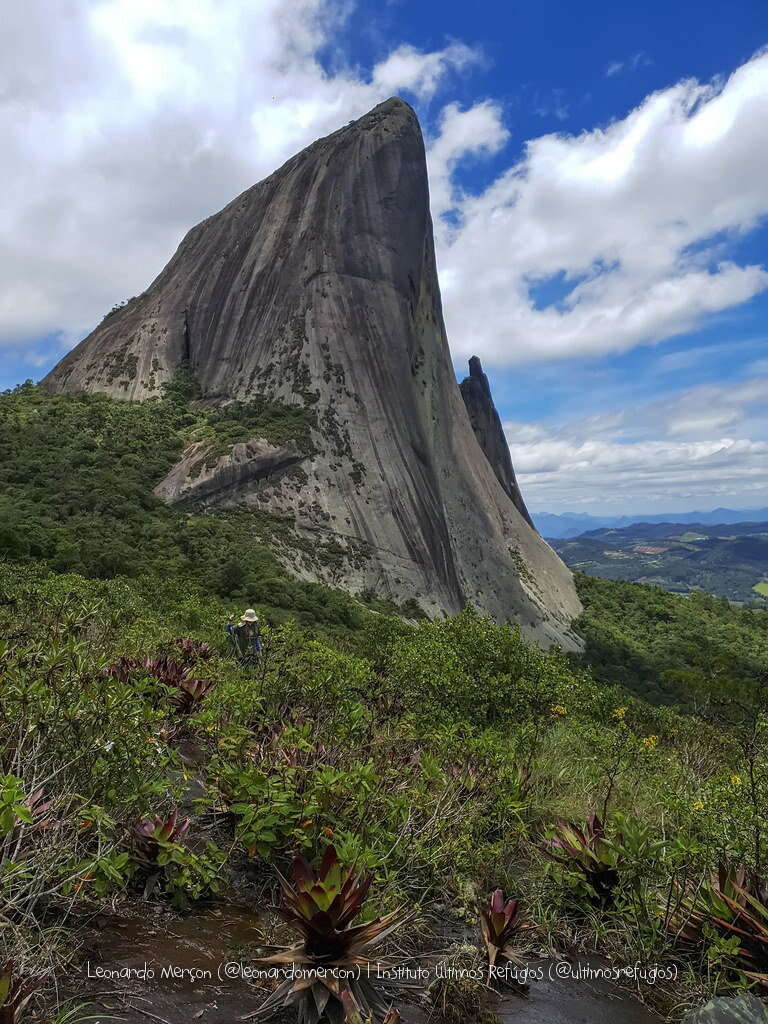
<point>476,392</point>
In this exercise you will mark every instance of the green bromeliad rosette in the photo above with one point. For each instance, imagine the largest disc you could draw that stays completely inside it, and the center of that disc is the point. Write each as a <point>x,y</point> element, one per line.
<point>329,968</point>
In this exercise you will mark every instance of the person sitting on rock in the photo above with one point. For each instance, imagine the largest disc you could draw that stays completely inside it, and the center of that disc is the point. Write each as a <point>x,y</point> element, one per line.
<point>246,635</point>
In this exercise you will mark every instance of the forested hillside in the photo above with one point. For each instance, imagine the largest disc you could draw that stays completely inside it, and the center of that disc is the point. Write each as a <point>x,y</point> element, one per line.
<point>667,648</point>
<point>76,479</point>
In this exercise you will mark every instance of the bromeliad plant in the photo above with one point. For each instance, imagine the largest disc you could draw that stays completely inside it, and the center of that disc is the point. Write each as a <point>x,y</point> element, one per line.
<point>168,672</point>
<point>320,905</point>
<point>154,841</point>
<point>190,692</point>
<point>733,901</point>
<point>191,651</point>
<point>501,922</point>
<point>153,834</point>
<point>186,875</point>
<point>162,668</point>
<point>586,854</point>
<point>15,992</point>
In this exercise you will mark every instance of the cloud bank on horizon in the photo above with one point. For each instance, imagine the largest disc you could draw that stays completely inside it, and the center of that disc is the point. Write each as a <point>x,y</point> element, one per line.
<point>125,122</point>
<point>608,460</point>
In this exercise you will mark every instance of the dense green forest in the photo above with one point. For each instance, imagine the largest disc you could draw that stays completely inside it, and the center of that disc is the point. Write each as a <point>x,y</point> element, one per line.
<point>446,758</point>
<point>667,648</point>
<point>76,479</point>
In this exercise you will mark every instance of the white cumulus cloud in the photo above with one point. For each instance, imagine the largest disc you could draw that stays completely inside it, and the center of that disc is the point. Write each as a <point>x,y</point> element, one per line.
<point>629,224</point>
<point>125,122</point>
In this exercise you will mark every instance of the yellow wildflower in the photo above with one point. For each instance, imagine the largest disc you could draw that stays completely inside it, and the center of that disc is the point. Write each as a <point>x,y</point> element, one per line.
<point>649,742</point>
<point>619,713</point>
<point>735,780</point>
<point>698,805</point>
<point>558,709</point>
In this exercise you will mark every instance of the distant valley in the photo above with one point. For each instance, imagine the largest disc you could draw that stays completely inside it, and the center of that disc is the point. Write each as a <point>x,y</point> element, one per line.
<point>573,524</point>
<point>726,559</point>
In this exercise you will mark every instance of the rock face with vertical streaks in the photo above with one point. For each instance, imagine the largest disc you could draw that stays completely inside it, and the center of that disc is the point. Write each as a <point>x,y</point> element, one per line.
<point>317,288</point>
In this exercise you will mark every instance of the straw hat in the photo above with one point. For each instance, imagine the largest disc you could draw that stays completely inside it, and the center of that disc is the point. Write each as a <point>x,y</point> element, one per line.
<point>249,615</point>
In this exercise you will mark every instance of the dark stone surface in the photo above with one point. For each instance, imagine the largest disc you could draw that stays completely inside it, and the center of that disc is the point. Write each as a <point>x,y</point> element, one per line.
<point>742,1009</point>
<point>318,286</point>
<point>476,392</point>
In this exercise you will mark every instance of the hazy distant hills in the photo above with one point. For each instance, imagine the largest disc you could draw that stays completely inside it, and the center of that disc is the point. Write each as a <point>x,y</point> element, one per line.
<point>727,559</point>
<point>571,524</point>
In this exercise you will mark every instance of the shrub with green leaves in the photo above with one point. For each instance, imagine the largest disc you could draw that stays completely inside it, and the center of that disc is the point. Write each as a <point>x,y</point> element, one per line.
<point>434,756</point>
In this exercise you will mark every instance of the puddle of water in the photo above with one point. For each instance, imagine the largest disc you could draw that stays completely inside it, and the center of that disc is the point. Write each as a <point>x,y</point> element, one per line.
<point>201,943</point>
<point>569,1001</point>
<point>560,1001</point>
<point>208,939</point>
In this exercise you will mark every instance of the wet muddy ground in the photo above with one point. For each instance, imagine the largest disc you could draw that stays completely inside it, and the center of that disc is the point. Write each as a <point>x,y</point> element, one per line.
<point>188,980</point>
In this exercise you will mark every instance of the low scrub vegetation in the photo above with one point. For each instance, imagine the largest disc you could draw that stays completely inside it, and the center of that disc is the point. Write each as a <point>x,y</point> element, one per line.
<point>445,757</point>
<point>419,763</point>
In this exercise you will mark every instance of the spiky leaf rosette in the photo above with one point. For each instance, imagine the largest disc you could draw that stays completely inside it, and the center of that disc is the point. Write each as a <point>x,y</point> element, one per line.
<point>319,903</point>
<point>585,850</point>
<point>733,900</point>
<point>168,672</point>
<point>192,650</point>
<point>190,692</point>
<point>501,921</point>
<point>151,833</point>
<point>15,992</point>
<point>330,965</point>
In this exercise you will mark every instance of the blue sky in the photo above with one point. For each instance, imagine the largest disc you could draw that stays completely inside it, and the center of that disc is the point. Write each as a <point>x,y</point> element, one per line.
<point>599,196</point>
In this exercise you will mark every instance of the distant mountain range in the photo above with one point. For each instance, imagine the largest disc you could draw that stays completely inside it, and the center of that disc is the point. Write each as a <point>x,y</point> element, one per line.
<point>727,559</point>
<point>571,524</point>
